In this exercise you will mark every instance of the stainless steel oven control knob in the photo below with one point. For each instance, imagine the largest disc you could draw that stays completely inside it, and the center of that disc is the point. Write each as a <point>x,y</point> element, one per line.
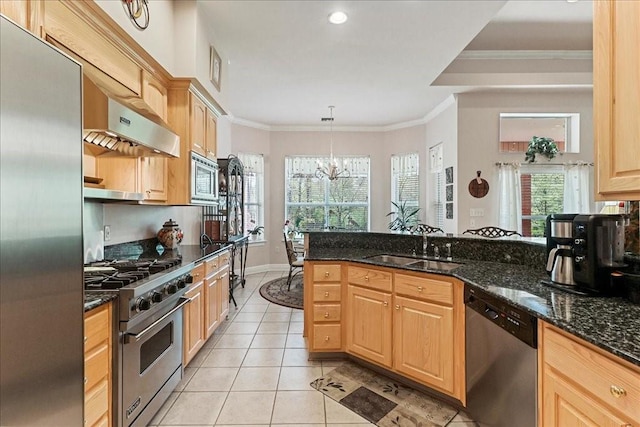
<point>143,304</point>
<point>181,284</point>
<point>188,278</point>
<point>171,288</point>
<point>156,297</point>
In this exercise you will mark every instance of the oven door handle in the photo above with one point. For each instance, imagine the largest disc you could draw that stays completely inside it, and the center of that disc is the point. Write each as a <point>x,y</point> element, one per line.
<point>129,337</point>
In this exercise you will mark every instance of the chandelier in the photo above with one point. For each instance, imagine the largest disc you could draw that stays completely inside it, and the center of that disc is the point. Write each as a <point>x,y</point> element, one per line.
<point>330,171</point>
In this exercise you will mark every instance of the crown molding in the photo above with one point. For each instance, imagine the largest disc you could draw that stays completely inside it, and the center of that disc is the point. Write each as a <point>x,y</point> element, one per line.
<point>248,123</point>
<point>526,54</point>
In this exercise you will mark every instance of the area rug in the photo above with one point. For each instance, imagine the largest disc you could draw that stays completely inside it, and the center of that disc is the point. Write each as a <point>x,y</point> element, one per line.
<point>276,292</point>
<point>382,400</point>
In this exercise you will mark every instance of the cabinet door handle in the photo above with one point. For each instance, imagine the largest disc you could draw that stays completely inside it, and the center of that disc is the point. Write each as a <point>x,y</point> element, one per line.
<point>326,315</point>
<point>366,278</point>
<point>326,294</point>
<point>397,307</point>
<point>86,380</point>
<point>85,339</point>
<point>326,338</point>
<point>326,274</point>
<point>419,288</point>
<point>385,303</point>
<point>617,392</point>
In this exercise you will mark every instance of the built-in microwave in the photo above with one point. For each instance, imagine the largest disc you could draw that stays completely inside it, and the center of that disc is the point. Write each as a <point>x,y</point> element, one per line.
<point>204,180</point>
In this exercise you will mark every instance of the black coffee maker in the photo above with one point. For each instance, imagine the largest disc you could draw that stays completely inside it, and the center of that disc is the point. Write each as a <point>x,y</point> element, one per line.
<point>559,232</point>
<point>598,250</point>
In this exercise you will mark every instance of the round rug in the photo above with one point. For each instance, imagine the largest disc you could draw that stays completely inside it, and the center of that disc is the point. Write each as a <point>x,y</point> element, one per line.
<point>276,292</point>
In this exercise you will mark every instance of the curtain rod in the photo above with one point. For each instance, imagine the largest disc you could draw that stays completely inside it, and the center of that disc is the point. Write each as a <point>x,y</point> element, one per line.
<point>545,164</point>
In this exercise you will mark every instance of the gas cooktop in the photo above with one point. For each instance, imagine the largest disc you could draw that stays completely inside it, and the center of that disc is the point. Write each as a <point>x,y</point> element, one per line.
<point>116,274</point>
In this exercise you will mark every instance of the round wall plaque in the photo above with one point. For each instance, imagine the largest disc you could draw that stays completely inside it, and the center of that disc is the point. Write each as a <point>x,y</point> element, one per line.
<point>478,187</point>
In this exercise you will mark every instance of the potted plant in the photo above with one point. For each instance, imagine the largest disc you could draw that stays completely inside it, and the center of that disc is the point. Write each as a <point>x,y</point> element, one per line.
<point>256,230</point>
<point>405,217</point>
<point>540,145</point>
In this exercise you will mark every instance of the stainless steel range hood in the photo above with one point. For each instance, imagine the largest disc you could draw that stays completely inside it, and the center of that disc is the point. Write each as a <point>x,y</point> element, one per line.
<point>104,195</point>
<point>115,129</point>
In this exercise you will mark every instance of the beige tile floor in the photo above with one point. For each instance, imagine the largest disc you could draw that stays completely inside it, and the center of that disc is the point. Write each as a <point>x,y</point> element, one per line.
<point>254,372</point>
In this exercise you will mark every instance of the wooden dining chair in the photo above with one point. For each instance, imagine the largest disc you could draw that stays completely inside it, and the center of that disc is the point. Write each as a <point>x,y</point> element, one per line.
<point>296,260</point>
<point>426,229</point>
<point>492,232</point>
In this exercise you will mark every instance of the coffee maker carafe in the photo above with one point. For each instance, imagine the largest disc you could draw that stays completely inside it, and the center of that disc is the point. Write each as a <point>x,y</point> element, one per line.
<point>599,250</point>
<point>559,232</point>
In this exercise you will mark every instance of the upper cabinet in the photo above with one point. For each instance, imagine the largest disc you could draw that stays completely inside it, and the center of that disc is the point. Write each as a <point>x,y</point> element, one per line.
<point>154,94</point>
<point>191,116</point>
<point>203,128</point>
<point>616,92</point>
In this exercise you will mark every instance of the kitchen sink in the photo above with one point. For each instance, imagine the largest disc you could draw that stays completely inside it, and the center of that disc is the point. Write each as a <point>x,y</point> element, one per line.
<point>392,259</point>
<point>434,265</point>
<point>427,264</point>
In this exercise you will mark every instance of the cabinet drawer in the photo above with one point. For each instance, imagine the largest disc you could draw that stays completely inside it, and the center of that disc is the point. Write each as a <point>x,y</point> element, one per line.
<point>597,373</point>
<point>211,265</point>
<point>424,288</point>
<point>370,278</point>
<point>96,403</point>
<point>326,273</point>
<point>198,273</point>
<point>326,292</point>
<point>96,366</point>
<point>327,337</point>
<point>96,327</point>
<point>223,259</point>
<point>326,312</point>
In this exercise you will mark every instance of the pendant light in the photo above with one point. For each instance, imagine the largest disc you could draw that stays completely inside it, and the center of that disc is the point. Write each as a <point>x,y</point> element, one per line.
<point>330,171</point>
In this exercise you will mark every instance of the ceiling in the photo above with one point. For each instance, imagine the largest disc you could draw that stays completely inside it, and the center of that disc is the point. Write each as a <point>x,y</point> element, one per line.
<point>287,64</point>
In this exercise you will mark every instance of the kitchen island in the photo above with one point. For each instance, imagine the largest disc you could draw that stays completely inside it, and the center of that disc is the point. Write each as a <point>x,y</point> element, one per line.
<point>609,323</point>
<point>380,299</point>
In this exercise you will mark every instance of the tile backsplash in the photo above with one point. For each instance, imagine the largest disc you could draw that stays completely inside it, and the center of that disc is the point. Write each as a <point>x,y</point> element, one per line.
<point>632,231</point>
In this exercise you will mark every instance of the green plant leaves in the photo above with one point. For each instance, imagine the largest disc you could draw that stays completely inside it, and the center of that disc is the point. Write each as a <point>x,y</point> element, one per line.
<point>540,145</point>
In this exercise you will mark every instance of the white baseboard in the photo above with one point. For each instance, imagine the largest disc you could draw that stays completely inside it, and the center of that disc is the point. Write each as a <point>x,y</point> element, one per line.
<point>266,267</point>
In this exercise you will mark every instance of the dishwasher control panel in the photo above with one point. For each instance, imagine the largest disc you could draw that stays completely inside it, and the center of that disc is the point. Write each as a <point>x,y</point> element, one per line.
<point>514,320</point>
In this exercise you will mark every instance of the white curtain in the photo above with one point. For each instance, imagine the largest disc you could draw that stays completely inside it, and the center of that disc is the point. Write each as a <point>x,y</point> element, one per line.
<point>576,188</point>
<point>509,197</point>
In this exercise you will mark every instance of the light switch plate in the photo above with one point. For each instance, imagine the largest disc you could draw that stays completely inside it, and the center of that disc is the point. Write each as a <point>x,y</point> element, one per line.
<point>476,212</point>
<point>107,233</point>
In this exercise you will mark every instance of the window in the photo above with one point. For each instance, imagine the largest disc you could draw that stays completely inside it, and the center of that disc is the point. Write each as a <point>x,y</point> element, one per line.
<point>405,180</point>
<point>517,129</point>
<point>436,162</point>
<point>253,191</point>
<point>542,194</point>
<point>317,204</point>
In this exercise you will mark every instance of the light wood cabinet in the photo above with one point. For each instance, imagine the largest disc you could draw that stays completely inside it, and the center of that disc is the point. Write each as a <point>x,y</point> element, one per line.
<point>616,94</point>
<point>212,295</point>
<point>17,11</point>
<point>323,307</point>
<point>211,138</point>
<point>198,123</point>
<point>154,178</point>
<point>97,366</point>
<point>223,286</point>
<point>203,128</point>
<point>146,175</point>
<point>369,328</point>
<point>579,384</point>
<point>154,94</point>
<point>193,119</point>
<point>194,330</point>
<point>423,342</point>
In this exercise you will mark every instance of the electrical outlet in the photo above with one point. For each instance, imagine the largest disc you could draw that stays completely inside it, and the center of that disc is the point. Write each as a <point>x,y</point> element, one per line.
<point>472,223</point>
<point>107,233</point>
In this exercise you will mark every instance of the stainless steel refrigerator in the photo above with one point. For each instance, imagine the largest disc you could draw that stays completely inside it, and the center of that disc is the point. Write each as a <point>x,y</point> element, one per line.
<point>41,256</point>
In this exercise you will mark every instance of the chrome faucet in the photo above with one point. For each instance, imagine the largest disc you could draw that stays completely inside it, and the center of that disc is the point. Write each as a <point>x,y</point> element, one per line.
<point>436,252</point>
<point>448,246</point>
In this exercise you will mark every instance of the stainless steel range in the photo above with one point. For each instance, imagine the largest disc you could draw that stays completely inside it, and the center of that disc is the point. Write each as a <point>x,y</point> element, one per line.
<point>149,314</point>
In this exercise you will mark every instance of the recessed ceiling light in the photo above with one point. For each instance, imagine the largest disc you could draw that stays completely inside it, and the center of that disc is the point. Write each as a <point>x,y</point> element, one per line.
<point>572,1</point>
<point>338,17</point>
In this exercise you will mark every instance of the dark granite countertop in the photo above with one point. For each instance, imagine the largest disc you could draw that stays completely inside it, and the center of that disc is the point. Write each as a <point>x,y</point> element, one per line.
<point>191,255</point>
<point>612,324</point>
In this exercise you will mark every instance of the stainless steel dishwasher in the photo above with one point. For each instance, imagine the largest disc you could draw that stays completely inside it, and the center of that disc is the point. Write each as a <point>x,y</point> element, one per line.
<point>501,365</point>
